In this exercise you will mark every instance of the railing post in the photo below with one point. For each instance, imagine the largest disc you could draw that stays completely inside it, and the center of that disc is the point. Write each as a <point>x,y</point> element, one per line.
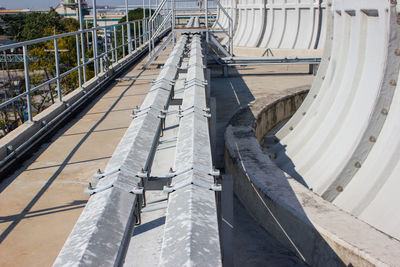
<point>134,33</point>
<point>94,40</point>
<point>27,83</point>
<point>57,70</point>
<point>123,41</point>
<point>78,58</point>
<point>106,46</point>
<point>140,33</point>
<point>144,22</point>
<point>128,29</point>
<point>115,44</point>
<point>112,45</point>
<point>82,39</point>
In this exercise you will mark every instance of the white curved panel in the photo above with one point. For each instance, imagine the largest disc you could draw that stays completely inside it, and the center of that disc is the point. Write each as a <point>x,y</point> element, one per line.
<point>279,24</point>
<point>291,28</point>
<point>375,188</point>
<point>278,28</point>
<point>241,25</point>
<point>332,79</point>
<point>268,27</point>
<point>306,28</point>
<point>344,141</point>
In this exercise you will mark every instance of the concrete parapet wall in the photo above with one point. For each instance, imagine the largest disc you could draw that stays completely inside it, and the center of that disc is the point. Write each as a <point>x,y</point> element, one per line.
<point>313,228</point>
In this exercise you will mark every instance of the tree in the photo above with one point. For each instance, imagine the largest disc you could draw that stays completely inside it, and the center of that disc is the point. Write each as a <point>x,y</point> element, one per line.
<point>23,27</point>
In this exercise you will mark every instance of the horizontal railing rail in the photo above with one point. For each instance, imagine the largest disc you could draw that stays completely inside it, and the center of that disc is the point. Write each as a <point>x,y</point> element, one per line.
<point>103,52</point>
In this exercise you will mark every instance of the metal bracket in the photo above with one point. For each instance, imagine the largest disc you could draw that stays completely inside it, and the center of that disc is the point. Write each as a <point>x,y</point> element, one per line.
<point>195,81</point>
<point>100,175</point>
<point>90,190</point>
<point>213,172</point>
<point>191,181</point>
<point>141,112</point>
<point>161,80</point>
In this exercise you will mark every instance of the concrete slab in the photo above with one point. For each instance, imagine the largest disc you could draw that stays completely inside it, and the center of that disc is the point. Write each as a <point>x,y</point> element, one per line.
<point>56,175</point>
<point>244,85</point>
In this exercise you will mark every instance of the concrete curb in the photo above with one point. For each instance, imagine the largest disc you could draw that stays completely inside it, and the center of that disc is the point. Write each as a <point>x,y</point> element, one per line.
<point>316,230</point>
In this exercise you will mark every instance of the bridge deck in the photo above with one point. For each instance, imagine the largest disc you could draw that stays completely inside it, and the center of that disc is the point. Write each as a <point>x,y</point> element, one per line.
<point>42,200</point>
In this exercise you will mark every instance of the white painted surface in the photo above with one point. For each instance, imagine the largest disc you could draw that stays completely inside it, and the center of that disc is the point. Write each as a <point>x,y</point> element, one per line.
<point>330,149</point>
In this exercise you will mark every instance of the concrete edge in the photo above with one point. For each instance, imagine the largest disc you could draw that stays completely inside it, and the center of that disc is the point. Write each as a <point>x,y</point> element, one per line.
<point>316,230</point>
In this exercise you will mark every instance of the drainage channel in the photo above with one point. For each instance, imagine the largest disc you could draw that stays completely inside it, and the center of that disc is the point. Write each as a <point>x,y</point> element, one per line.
<point>155,202</point>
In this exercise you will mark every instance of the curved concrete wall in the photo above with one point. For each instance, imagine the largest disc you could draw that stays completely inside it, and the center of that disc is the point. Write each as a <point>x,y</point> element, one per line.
<point>291,24</point>
<point>343,141</point>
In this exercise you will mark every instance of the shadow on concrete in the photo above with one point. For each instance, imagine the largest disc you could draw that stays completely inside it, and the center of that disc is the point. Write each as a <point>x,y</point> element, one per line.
<point>253,246</point>
<point>98,131</point>
<point>36,198</point>
<point>139,229</point>
<point>260,175</point>
<point>69,163</point>
<point>76,204</point>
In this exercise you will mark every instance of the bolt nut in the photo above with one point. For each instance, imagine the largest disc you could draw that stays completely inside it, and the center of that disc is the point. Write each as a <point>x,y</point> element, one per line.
<point>291,128</point>
<point>372,139</point>
<point>357,165</point>
<point>392,82</point>
<point>384,111</point>
<point>397,52</point>
<point>339,188</point>
<point>304,113</point>
<point>315,96</point>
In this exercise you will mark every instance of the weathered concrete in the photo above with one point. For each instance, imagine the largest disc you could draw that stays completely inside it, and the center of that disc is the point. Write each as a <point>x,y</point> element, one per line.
<point>313,228</point>
<point>42,200</point>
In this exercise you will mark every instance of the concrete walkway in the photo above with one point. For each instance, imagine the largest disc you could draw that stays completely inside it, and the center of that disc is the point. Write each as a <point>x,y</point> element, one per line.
<point>41,201</point>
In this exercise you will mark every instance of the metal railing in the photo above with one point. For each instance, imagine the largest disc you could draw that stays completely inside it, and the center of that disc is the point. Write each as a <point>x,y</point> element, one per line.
<point>103,52</point>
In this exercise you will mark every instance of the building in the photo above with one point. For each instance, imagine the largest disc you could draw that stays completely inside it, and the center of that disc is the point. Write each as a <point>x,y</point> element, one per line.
<point>69,8</point>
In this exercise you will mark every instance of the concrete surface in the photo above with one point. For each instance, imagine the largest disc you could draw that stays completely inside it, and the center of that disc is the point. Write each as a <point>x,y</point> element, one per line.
<point>313,228</point>
<point>245,84</point>
<point>41,201</point>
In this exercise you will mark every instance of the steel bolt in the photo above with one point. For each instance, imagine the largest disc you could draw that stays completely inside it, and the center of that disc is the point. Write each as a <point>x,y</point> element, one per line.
<point>397,52</point>
<point>357,165</point>
<point>392,82</point>
<point>384,111</point>
<point>372,139</point>
<point>339,188</point>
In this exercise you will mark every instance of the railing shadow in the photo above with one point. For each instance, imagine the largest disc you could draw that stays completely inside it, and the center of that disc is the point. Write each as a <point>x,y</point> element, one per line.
<point>17,218</point>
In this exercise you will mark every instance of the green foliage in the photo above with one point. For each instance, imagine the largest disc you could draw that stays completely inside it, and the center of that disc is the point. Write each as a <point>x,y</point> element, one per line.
<point>23,27</point>
<point>136,14</point>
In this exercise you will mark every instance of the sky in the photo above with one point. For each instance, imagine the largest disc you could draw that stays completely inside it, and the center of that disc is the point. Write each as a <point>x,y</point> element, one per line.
<point>32,4</point>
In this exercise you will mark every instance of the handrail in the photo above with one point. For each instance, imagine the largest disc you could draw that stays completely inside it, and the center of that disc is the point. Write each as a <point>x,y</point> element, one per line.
<point>81,60</point>
<point>62,35</point>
